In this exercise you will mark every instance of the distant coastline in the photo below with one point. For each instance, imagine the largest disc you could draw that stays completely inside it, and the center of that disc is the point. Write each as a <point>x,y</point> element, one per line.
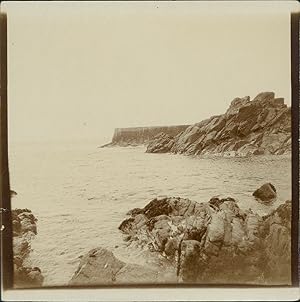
<point>261,126</point>
<point>133,136</point>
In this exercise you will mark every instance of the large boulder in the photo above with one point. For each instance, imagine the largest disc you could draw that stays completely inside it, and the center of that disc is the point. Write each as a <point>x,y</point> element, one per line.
<point>100,267</point>
<point>97,266</point>
<point>267,192</point>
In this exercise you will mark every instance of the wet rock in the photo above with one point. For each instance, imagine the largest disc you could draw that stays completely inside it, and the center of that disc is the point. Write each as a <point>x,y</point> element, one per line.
<point>132,224</point>
<point>216,241</point>
<point>23,221</point>
<point>266,192</point>
<point>157,207</point>
<point>21,246</point>
<point>191,262</point>
<point>171,247</point>
<point>100,267</point>
<point>277,243</point>
<point>27,221</point>
<point>258,127</point>
<point>126,225</point>
<point>24,230</point>
<point>135,211</point>
<point>27,277</point>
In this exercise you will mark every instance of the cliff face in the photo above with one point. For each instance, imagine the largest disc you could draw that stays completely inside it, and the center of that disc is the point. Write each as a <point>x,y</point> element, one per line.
<point>142,135</point>
<point>260,126</point>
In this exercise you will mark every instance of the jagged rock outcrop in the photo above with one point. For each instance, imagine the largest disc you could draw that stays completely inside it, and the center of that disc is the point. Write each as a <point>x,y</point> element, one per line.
<point>210,242</point>
<point>260,126</point>
<point>215,241</point>
<point>161,143</point>
<point>267,192</point>
<point>24,229</point>
<point>141,135</point>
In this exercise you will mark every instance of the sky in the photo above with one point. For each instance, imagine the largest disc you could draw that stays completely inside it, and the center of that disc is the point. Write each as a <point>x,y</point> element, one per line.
<point>79,70</point>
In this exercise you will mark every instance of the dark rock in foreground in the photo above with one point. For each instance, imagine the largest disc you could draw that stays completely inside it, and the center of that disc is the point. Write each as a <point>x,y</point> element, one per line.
<point>24,229</point>
<point>266,192</point>
<point>211,242</point>
<point>260,126</point>
<point>215,241</point>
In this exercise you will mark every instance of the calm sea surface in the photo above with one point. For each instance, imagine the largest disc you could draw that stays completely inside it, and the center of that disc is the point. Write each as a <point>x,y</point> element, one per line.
<point>81,193</point>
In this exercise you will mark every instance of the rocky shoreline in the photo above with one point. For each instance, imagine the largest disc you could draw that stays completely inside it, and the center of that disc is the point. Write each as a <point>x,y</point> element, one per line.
<point>24,229</point>
<point>256,127</point>
<point>197,242</point>
<point>185,241</point>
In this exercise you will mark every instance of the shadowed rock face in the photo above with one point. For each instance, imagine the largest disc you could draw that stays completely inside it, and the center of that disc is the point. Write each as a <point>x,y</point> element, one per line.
<point>161,143</point>
<point>215,241</point>
<point>260,126</point>
<point>266,192</point>
<point>142,135</point>
<point>24,229</point>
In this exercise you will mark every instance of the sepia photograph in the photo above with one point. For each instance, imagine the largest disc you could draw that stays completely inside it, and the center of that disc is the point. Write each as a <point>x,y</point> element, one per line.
<point>150,144</point>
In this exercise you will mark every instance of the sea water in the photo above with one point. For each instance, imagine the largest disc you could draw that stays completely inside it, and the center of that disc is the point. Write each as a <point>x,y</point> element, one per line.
<point>81,193</point>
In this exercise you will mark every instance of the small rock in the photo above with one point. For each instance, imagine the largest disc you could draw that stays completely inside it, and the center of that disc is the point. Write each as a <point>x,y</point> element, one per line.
<point>13,193</point>
<point>266,192</point>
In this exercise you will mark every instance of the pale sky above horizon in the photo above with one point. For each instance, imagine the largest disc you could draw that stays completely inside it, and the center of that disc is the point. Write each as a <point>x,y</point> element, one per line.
<point>80,70</point>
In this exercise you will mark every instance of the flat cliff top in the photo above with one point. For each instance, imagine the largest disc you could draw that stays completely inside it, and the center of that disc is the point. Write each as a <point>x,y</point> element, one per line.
<point>150,127</point>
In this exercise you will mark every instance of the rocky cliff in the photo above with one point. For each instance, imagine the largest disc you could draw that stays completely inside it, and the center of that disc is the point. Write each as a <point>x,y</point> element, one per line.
<point>248,127</point>
<point>141,135</point>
